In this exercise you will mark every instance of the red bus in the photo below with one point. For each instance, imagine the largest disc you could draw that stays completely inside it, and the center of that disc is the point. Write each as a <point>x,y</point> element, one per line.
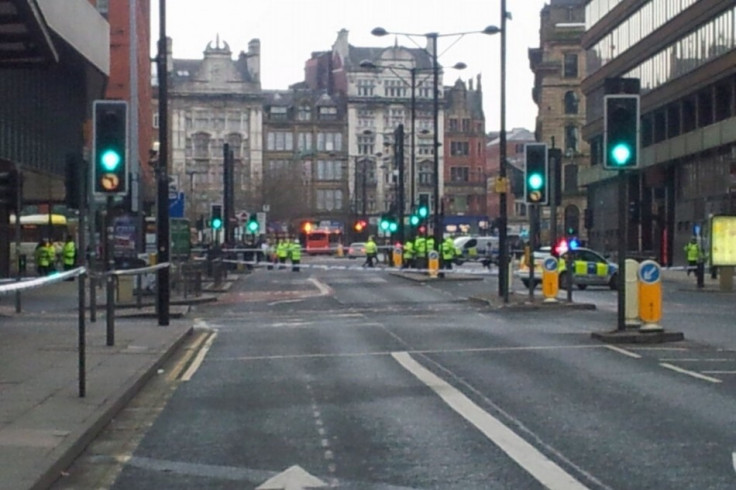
<point>317,242</point>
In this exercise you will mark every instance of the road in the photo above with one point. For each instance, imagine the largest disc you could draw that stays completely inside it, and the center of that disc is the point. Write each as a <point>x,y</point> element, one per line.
<point>363,380</point>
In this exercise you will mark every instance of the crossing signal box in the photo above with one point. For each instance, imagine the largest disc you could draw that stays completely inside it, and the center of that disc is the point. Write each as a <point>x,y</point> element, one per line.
<point>9,188</point>
<point>621,131</point>
<point>536,174</point>
<point>110,145</point>
<point>423,209</point>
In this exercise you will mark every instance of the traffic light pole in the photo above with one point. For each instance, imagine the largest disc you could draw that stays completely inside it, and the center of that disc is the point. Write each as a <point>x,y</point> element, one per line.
<point>162,191</point>
<point>109,279</point>
<point>623,238</point>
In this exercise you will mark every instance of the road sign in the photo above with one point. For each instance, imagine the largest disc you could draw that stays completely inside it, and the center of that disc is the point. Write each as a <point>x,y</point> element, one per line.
<point>550,279</point>
<point>650,295</point>
<point>550,264</point>
<point>176,205</point>
<point>649,272</point>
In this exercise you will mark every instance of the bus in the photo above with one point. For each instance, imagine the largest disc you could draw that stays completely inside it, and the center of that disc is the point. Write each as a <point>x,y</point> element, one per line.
<point>320,240</point>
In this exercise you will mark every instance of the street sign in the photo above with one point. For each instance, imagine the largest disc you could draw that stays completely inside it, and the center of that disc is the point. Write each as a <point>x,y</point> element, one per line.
<point>550,264</point>
<point>649,272</point>
<point>176,205</point>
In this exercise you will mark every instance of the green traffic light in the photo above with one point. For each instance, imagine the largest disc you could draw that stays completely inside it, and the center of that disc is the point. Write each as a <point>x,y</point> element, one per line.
<point>253,226</point>
<point>414,220</point>
<point>621,153</point>
<point>535,181</point>
<point>392,227</point>
<point>110,160</point>
<point>216,223</point>
<point>384,225</point>
<point>423,212</point>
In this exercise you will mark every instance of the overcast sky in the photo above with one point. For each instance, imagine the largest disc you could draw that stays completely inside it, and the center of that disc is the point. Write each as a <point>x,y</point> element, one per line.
<point>290,30</point>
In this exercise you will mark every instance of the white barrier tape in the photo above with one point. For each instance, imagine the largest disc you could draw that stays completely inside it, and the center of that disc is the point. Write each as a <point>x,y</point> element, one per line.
<point>39,282</point>
<point>140,270</point>
<point>483,272</point>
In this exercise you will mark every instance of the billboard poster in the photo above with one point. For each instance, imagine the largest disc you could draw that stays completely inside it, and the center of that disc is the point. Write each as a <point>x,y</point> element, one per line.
<point>723,240</point>
<point>125,234</point>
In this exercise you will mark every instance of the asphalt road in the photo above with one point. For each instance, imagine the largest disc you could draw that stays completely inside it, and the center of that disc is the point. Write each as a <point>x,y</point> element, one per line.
<point>369,381</point>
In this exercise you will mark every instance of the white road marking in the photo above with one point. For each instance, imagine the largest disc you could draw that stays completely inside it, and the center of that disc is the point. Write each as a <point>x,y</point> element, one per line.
<point>623,351</point>
<point>718,372</point>
<point>199,358</point>
<point>674,359</point>
<point>733,460</point>
<point>690,373</point>
<point>285,301</point>
<point>324,289</point>
<point>527,456</point>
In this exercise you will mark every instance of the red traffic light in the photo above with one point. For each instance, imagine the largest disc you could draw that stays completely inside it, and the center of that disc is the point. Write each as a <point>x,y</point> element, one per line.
<point>360,225</point>
<point>561,247</point>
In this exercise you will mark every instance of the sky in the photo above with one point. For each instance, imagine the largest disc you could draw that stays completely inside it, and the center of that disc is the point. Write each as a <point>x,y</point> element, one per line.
<point>290,30</point>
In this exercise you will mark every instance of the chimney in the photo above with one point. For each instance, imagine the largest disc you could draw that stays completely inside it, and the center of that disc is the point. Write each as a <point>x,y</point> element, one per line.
<point>254,59</point>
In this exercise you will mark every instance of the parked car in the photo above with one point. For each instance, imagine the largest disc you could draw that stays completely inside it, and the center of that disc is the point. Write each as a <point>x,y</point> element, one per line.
<point>589,268</point>
<point>477,249</point>
<point>356,249</point>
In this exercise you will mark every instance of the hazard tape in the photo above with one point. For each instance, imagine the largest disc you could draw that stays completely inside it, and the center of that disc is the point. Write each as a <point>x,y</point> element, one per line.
<point>356,268</point>
<point>40,282</point>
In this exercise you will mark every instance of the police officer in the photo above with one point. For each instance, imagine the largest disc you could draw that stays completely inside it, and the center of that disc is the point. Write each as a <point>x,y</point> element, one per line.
<point>692,254</point>
<point>420,249</point>
<point>409,254</point>
<point>295,254</point>
<point>282,252</point>
<point>371,252</point>
<point>50,252</point>
<point>448,253</point>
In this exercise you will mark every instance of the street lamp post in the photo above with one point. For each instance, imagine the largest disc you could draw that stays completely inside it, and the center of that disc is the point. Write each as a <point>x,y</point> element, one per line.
<point>432,36</point>
<point>503,256</point>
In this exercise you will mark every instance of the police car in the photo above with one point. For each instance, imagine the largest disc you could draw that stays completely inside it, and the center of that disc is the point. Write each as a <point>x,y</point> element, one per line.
<point>589,268</point>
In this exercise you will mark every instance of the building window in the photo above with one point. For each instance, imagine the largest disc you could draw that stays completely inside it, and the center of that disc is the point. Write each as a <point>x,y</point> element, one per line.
<point>304,113</point>
<point>571,102</point>
<point>155,120</point>
<point>453,124</point>
<point>394,88</point>
<point>424,89</point>
<point>425,149</point>
<point>201,143</point>
<point>329,199</point>
<point>366,144</point>
<point>571,65</point>
<point>280,141</point>
<point>235,142</point>
<point>425,173</point>
<point>277,167</point>
<point>329,141</point>
<point>328,113</point>
<point>329,170</point>
<point>459,174</point>
<point>466,125</point>
<point>365,88</point>
<point>459,148</point>
<point>571,138</point>
<point>304,142</point>
<point>278,113</point>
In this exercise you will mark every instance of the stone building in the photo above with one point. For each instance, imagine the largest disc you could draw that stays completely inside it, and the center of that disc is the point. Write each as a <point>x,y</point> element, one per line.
<point>559,68</point>
<point>466,176</point>
<point>213,101</point>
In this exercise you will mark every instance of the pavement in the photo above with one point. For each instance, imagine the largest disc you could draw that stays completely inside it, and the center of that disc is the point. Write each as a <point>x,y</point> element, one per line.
<point>44,422</point>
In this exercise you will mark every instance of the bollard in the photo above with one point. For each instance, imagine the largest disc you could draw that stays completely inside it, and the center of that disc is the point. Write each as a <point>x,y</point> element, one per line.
<point>631,301</point>
<point>550,279</point>
<point>434,263</point>
<point>650,296</point>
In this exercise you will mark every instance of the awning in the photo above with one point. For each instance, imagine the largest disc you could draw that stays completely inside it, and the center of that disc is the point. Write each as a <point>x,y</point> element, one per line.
<point>25,39</point>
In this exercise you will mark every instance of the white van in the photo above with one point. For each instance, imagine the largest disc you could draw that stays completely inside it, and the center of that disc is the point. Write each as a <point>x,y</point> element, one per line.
<point>477,249</point>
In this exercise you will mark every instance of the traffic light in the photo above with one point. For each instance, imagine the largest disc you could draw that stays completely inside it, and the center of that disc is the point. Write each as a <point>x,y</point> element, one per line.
<point>9,188</point>
<point>360,225</point>
<point>216,217</point>
<point>621,132</point>
<point>110,144</point>
<point>423,209</point>
<point>536,181</point>
<point>414,219</point>
<point>388,224</point>
<point>253,226</point>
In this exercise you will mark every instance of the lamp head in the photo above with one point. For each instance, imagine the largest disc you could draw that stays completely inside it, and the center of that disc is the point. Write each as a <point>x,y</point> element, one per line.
<point>379,31</point>
<point>459,66</point>
<point>490,30</point>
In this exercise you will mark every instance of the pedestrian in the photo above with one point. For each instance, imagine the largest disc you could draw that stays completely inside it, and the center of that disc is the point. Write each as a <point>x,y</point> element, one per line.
<point>50,251</point>
<point>409,254</point>
<point>282,252</point>
<point>371,252</point>
<point>692,252</point>
<point>448,253</point>
<point>40,258</point>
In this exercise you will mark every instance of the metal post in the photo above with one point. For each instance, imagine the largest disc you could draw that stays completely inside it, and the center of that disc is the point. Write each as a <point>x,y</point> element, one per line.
<point>413,131</point>
<point>622,243</point>
<point>399,157</point>
<point>533,209</point>
<point>82,333</point>
<point>503,257</point>
<point>109,267</point>
<point>436,112</point>
<point>162,211</point>
<point>18,205</point>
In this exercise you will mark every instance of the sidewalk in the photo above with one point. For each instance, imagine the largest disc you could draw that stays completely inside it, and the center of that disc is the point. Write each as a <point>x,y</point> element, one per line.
<point>44,424</point>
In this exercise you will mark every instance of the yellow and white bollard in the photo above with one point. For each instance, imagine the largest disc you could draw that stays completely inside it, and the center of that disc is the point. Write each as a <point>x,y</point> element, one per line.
<point>340,252</point>
<point>550,279</point>
<point>433,263</point>
<point>650,296</point>
<point>631,301</point>
<point>398,256</point>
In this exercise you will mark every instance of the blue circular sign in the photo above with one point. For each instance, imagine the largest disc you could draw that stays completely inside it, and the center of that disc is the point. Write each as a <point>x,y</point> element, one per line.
<point>649,272</point>
<point>550,264</point>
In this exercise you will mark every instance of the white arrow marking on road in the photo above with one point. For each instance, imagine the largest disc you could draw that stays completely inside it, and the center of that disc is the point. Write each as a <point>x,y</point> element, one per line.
<point>733,460</point>
<point>294,478</point>
<point>527,456</point>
